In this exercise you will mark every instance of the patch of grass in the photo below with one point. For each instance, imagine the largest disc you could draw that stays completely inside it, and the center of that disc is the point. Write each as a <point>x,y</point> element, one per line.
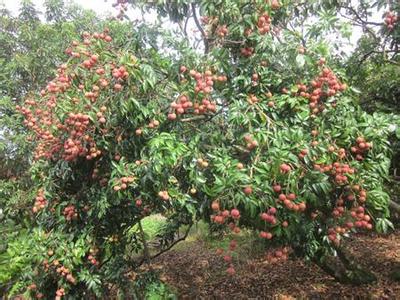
<point>160,291</point>
<point>249,244</point>
<point>151,225</point>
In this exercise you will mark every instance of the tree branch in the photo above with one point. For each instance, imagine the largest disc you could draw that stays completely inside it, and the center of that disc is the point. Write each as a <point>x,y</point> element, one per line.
<point>394,206</point>
<point>195,118</point>
<point>185,27</point>
<point>204,35</point>
<point>146,252</point>
<point>174,243</point>
<point>138,264</point>
<point>361,20</point>
<point>369,53</point>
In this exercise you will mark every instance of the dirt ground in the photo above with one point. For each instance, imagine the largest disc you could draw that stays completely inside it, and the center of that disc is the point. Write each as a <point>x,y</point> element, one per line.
<point>197,272</point>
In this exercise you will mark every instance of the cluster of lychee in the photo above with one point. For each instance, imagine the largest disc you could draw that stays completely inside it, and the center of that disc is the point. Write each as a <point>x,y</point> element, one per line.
<point>285,168</point>
<point>338,169</point>
<point>269,216</point>
<point>153,124</point>
<point>357,196</point>
<point>361,193</point>
<point>40,201</point>
<point>339,209</point>
<point>88,39</point>
<point>222,31</point>
<point>288,202</point>
<point>222,216</point>
<point>120,74</point>
<point>264,24</point>
<point>247,51</point>
<point>361,148</point>
<point>60,293</point>
<point>47,142</point>
<point>390,19</point>
<point>202,163</point>
<point>63,271</point>
<point>362,221</point>
<point>180,106</point>
<point>40,120</point>
<point>252,99</point>
<point>70,213</point>
<point>92,256</point>
<point>123,183</point>
<point>164,195</point>
<point>73,149</point>
<point>303,153</point>
<point>33,287</point>
<point>93,151</point>
<point>277,255</point>
<point>204,86</point>
<point>288,199</point>
<point>324,86</point>
<point>76,126</point>
<point>205,81</point>
<point>228,256</point>
<point>90,62</point>
<point>251,143</point>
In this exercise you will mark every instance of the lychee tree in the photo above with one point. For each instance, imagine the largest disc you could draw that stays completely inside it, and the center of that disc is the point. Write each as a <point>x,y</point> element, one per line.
<point>295,132</point>
<point>90,126</point>
<point>256,133</point>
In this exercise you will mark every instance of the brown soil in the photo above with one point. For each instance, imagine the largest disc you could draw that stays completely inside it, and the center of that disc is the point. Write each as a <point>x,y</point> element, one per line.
<point>197,272</point>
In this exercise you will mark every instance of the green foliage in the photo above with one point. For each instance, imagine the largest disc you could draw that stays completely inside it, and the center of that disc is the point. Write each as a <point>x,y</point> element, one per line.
<point>159,291</point>
<point>19,258</point>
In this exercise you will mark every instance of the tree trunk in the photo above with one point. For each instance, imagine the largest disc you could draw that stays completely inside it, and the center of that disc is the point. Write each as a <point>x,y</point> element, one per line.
<point>395,274</point>
<point>344,269</point>
<point>394,206</point>
<point>146,251</point>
